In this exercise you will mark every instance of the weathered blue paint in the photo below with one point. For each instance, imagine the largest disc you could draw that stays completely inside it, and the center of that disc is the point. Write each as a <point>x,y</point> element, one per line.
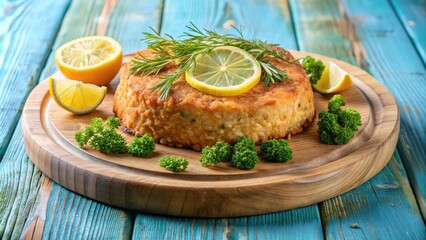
<point>412,14</point>
<point>393,60</point>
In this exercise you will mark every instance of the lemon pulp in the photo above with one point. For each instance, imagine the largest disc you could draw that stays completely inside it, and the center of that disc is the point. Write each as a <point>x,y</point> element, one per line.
<point>225,71</point>
<point>94,59</point>
<point>333,79</point>
<point>75,96</point>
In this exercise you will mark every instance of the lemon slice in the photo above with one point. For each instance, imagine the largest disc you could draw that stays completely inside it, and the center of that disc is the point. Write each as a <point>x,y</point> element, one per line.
<point>333,79</point>
<point>225,71</point>
<point>95,59</point>
<point>76,97</point>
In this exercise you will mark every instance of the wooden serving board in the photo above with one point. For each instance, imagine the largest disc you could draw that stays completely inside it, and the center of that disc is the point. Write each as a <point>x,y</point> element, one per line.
<point>316,172</point>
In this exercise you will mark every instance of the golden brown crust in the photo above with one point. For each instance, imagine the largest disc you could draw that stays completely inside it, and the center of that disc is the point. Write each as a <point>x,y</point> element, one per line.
<point>190,118</point>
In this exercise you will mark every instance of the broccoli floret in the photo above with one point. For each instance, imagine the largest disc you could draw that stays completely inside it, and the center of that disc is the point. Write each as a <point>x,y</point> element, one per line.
<point>344,135</point>
<point>314,68</point>
<point>350,118</point>
<point>276,150</point>
<point>142,146</point>
<point>245,155</point>
<point>212,155</point>
<point>174,164</point>
<point>245,159</point>
<point>102,136</point>
<point>328,122</point>
<point>338,126</point>
<point>335,103</point>
<point>244,143</point>
<point>224,151</point>
<point>209,156</point>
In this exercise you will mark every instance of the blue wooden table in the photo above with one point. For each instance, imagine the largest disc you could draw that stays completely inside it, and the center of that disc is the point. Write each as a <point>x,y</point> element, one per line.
<point>387,38</point>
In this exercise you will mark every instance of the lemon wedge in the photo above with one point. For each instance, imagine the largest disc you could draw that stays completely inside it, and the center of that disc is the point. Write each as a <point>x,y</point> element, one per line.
<point>94,59</point>
<point>333,79</point>
<point>225,71</point>
<point>75,96</point>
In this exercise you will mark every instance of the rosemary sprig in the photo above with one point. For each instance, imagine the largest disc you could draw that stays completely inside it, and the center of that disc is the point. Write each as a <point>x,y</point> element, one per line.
<point>196,43</point>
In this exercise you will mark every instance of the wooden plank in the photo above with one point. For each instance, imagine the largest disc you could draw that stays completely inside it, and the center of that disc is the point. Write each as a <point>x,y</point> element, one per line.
<point>25,41</point>
<point>320,32</point>
<point>330,22</point>
<point>19,182</point>
<point>71,216</point>
<point>160,227</point>
<point>281,225</point>
<point>355,215</point>
<point>269,21</point>
<point>412,14</point>
<point>401,70</point>
<point>58,212</point>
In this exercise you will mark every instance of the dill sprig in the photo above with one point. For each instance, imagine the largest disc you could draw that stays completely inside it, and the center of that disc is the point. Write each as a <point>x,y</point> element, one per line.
<point>195,43</point>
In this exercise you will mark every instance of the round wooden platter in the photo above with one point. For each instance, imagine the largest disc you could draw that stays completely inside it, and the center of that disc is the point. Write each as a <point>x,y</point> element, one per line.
<point>317,171</point>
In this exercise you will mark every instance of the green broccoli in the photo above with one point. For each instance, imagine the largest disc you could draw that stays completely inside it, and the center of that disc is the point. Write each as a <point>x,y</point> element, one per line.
<point>276,150</point>
<point>224,151</point>
<point>314,68</point>
<point>245,159</point>
<point>335,104</point>
<point>174,164</point>
<point>245,155</point>
<point>338,126</point>
<point>350,118</point>
<point>212,155</point>
<point>209,156</point>
<point>141,146</point>
<point>244,143</point>
<point>102,136</point>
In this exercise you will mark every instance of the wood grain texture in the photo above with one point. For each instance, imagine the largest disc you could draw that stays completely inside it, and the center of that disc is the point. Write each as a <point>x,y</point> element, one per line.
<point>318,27</point>
<point>118,180</point>
<point>282,225</point>
<point>400,69</point>
<point>161,227</point>
<point>268,20</point>
<point>412,14</point>
<point>346,217</point>
<point>24,44</point>
<point>19,183</point>
<point>337,24</point>
<point>71,216</point>
<point>34,225</point>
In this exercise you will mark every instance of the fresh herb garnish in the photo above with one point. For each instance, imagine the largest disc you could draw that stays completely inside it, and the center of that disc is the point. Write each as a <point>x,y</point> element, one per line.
<point>196,43</point>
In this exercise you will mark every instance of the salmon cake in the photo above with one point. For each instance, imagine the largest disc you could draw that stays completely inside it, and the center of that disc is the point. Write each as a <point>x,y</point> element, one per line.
<point>190,118</point>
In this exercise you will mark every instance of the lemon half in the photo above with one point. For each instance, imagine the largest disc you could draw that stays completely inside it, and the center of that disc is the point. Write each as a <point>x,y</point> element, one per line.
<point>225,71</point>
<point>333,79</point>
<point>94,59</point>
<point>75,96</point>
